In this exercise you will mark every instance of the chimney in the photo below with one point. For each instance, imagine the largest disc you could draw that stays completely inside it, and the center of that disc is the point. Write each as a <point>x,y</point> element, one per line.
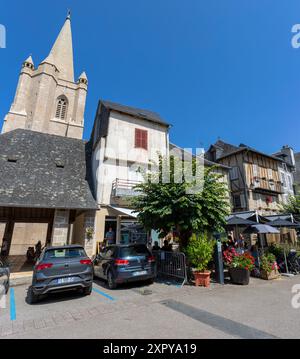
<point>289,152</point>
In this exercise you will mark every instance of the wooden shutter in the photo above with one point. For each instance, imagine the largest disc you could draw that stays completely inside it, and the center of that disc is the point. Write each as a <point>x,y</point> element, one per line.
<point>141,139</point>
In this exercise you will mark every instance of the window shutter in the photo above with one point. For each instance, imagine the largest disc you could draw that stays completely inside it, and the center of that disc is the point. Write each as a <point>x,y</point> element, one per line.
<point>243,202</point>
<point>141,139</point>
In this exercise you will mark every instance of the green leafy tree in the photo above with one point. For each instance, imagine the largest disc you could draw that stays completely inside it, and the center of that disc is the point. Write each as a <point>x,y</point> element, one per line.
<point>167,206</point>
<point>292,206</point>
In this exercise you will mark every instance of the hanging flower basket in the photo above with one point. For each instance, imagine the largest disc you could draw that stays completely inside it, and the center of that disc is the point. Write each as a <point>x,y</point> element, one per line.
<point>89,233</point>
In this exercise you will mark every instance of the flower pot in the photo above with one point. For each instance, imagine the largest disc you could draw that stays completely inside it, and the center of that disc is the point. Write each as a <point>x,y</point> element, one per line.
<point>202,278</point>
<point>239,276</point>
<point>269,275</point>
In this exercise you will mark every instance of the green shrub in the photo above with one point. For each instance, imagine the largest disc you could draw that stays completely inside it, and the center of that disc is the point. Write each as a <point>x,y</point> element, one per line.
<point>200,251</point>
<point>268,262</point>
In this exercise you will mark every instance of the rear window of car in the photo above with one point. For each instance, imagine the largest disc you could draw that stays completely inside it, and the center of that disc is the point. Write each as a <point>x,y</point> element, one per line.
<point>132,251</point>
<point>65,253</point>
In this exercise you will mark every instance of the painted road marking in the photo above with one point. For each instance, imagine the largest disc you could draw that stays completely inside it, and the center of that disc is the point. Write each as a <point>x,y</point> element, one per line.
<point>103,294</point>
<point>12,304</point>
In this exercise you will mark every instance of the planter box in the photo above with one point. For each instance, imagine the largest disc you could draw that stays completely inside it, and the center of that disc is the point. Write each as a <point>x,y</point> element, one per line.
<point>268,276</point>
<point>239,276</point>
<point>202,278</point>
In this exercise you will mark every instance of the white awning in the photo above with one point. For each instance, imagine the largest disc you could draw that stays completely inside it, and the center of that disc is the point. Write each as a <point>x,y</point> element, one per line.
<point>125,211</point>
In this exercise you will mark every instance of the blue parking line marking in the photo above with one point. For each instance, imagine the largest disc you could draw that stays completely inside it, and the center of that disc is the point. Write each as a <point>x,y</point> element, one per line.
<point>103,294</point>
<point>12,304</point>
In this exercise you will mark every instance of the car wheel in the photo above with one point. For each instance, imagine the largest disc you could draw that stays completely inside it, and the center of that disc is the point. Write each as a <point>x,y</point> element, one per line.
<point>150,281</point>
<point>88,290</point>
<point>111,281</point>
<point>32,297</point>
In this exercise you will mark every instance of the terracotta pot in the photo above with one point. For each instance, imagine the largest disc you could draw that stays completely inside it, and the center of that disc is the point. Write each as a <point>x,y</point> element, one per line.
<point>268,276</point>
<point>239,276</point>
<point>202,278</point>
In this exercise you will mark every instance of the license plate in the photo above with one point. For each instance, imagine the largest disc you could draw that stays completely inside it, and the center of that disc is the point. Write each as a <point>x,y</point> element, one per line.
<point>143,272</point>
<point>65,280</point>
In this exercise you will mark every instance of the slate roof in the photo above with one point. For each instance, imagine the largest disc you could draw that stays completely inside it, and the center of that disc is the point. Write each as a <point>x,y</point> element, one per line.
<point>229,150</point>
<point>207,162</point>
<point>44,171</point>
<point>144,114</point>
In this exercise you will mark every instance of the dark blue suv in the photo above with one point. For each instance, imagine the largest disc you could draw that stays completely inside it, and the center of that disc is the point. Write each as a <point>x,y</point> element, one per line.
<point>124,263</point>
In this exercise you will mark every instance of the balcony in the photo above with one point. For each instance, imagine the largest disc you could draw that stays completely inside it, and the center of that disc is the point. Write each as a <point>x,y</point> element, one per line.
<point>124,188</point>
<point>266,185</point>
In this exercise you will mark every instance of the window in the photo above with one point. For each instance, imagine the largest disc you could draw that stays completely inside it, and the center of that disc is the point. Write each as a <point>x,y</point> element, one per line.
<point>290,184</point>
<point>255,170</point>
<point>141,139</point>
<point>61,108</point>
<point>65,253</point>
<point>234,173</point>
<point>270,173</point>
<point>283,179</point>
<point>239,201</point>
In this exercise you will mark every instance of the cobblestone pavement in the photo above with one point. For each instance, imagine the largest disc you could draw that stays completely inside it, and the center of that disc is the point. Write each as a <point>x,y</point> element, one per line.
<point>262,309</point>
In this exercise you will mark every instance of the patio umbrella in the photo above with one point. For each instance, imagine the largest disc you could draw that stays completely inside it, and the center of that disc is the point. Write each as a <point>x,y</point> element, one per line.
<point>283,223</point>
<point>287,224</point>
<point>238,221</point>
<point>261,229</point>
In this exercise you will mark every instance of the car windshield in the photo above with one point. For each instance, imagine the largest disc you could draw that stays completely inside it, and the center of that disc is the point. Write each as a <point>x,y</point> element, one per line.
<point>132,251</point>
<point>64,253</point>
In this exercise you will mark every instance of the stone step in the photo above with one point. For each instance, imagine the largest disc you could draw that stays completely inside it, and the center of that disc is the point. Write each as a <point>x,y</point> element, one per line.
<point>20,278</point>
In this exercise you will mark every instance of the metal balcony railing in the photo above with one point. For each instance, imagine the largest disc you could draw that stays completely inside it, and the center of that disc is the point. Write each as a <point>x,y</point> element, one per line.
<point>124,188</point>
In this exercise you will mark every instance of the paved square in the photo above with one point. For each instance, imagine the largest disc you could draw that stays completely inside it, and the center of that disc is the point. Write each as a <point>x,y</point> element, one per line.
<point>261,310</point>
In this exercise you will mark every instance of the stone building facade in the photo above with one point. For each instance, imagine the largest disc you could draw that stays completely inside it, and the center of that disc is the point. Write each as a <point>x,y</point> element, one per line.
<point>44,187</point>
<point>48,99</point>
<point>297,173</point>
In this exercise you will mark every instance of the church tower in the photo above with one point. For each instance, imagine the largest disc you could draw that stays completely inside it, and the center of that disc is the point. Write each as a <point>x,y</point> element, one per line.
<point>47,98</point>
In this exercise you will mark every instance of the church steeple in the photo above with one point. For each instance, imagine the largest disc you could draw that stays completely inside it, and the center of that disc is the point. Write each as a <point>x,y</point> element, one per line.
<point>48,99</point>
<point>62,52</point>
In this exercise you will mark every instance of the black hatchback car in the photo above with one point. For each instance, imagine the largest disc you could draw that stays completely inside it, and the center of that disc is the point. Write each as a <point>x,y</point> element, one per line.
<point>124,263</point>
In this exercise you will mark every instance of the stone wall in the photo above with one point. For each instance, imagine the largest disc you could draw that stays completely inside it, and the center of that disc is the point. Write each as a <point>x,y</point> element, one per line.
<point>89,241</point>
<point>60,227</point>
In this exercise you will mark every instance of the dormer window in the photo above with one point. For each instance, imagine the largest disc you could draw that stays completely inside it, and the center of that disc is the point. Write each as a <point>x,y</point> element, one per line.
<point>61,108</point>
<point>141,139</point>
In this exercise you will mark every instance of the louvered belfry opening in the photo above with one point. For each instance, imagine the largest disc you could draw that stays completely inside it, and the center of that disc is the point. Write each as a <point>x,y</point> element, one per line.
<point>61,108</point>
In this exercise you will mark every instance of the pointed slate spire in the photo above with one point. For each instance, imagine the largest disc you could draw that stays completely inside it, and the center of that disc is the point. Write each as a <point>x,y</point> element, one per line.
<point>61,53</point>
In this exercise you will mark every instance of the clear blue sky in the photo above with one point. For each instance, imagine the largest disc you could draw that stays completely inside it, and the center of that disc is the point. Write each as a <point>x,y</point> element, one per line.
<point>212,68</point>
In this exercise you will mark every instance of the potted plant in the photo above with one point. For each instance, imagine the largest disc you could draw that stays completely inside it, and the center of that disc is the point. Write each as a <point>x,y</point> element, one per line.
<point>240,266</point>
<point>268,266</point>
<point>200,252</point>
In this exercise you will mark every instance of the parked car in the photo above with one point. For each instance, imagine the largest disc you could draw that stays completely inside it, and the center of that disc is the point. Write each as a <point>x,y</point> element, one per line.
<point>61,269</point>
<point>124,263</point>
<point>4,277</point>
